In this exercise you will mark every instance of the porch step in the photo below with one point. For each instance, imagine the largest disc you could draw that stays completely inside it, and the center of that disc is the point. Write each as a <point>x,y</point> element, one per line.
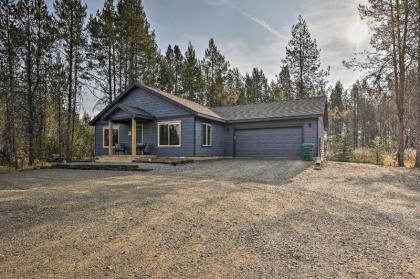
<point>101,166</point>
<point>120,158</point>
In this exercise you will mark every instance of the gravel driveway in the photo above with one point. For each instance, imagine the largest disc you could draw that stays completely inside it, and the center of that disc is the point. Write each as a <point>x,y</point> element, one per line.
<point>345,221</point>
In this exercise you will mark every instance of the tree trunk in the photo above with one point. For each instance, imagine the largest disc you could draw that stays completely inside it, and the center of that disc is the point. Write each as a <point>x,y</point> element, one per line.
<point>114,71</point>
<point>29,97</point>
<point>10,93</point>
<point>109,74</point>
<point>70,94</point>
<point>399,74</point>
<point>418,89</point>
<point>301,87</point>
<point>73,114</point>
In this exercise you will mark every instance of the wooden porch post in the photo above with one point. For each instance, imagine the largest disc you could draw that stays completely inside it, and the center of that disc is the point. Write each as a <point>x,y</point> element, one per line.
<point>110,136</point>
<point>133,136</point>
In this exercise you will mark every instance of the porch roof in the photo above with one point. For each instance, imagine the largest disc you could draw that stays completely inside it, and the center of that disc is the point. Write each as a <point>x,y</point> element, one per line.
<point>132,112</point>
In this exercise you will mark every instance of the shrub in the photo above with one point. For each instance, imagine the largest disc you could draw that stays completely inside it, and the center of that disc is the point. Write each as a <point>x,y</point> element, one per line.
<point>363,155</point>
<point>409,158</point>
<point>41,163</point>
<point>390,160</point>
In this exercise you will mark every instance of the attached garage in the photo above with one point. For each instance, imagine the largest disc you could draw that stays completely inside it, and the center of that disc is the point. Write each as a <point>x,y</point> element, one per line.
<point>268,142</point>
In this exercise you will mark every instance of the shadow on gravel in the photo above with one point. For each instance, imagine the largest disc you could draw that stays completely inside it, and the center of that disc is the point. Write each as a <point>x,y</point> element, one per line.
<point>266,171</point>
<point>303,240</point>
<point>49,205</point>
<point>49,177</point>
<point>410,181</point>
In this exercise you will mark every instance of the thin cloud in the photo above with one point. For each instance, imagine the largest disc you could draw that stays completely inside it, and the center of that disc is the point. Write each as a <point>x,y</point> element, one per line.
<point>263,24</point>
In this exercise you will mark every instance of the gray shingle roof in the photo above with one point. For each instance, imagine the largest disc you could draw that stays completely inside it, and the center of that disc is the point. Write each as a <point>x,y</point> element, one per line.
<point>282,109</point>
<point>184,102</point>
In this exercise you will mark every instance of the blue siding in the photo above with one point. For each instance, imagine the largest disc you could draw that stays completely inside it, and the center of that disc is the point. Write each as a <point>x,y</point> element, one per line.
<point>119,114</point>
<point>153,104</point>
<point>187,140</point>
<point>125,139</point>
<point>218,146</point>
<point>191,133</point>
<point>161,109</point>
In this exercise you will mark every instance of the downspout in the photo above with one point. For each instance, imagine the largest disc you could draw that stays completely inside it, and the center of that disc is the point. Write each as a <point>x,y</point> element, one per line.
<point>194,134</point>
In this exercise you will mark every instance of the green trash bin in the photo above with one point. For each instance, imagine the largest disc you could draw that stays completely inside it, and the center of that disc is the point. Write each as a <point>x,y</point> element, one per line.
<point>307,151</point>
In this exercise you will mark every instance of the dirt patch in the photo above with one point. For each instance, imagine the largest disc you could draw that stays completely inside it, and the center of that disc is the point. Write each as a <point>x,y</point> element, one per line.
<point>347,220</point>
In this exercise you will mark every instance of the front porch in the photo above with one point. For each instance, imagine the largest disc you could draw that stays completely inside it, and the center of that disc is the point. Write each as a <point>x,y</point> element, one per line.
<point>127,138</point>
<point>153,159</point>
<point>123,158</point>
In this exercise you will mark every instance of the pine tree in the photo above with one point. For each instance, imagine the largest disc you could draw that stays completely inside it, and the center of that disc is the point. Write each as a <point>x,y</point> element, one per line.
<point>102,51</point>
<point>234,88</point>
<point>167,74</point>
<point>191,74</point>
<point>70,20</point>
<point>336,98</point>
<point>178,61</point>
<point>36,25</point>
<point>214,68</point>
<point>137,50</point>
<point>282,87</point>
<point>303,59</point>
<point>9,44</point>
<point>337,108</point>
<point>391,26</point>
<point>256,87</point>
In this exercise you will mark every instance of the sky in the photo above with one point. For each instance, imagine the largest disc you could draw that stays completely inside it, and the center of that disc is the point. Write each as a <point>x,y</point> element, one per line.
<point>254,33</point>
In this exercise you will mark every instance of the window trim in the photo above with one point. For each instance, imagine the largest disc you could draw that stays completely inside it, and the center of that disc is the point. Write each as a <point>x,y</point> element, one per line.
<point>142,132</point>
<point>114,127</point>
<point>210,144</point>
<point>161,123</point>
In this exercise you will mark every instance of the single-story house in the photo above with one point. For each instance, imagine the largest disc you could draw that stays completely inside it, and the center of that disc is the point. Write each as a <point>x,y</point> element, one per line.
<point>169,125</point>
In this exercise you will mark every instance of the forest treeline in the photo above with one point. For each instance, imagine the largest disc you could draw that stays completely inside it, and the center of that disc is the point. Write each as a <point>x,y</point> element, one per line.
<point>51,58</point>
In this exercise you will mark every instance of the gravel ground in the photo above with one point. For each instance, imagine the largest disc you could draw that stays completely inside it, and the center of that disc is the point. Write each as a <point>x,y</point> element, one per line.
<point>270,171</point>
<point>345,221</point>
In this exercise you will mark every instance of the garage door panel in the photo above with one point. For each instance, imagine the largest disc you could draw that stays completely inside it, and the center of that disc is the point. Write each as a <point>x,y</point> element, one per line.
<point>278,142</point>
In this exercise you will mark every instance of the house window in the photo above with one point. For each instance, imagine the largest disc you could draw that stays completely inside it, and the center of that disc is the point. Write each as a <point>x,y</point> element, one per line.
<point>206,134</point>
<point>115,136</point>
<point>139,134</point>
<point>169,134</point>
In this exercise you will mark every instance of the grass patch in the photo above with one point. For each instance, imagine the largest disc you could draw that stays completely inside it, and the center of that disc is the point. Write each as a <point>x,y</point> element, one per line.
<point>6,169</point>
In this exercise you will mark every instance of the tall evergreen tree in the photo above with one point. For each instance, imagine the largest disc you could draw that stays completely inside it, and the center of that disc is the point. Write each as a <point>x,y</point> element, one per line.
<point>282,87</point>
<point>391,24</point>
<point>137,49</point>
<point>178,61</point>
<point>71,15</point>
<point>9,44</point>
<point>191,74</point>
<point>102,51</point>
<point>303,59</point>
<point>36,24</point>
<point>337,108</point>
<point>234,89</point>
<point>167,71</point>
<point>336,98</point>
<point>214,68</point>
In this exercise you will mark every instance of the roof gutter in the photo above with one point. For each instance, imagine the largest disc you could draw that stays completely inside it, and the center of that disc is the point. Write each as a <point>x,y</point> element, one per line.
<point>274,118</point>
